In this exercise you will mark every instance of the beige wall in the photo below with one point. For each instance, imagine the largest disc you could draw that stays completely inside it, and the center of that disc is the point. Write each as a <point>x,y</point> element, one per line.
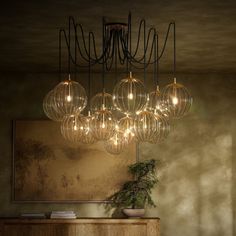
<point>196,194</point>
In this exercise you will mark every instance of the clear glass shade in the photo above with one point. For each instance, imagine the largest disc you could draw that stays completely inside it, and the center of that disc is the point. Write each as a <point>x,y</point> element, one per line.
<point>163,129</point>
<point>72,127</point>
<point>103,125</point>
<point>129,95</point>
<point>87,134</point>
<point>49,108</point>
<point>116,144</point>
<point>69,97</point>
<point>145,126</point>
<point>126,125</point>
<point>102,101</point>
<point>177,99</point>
<point>156,104</point>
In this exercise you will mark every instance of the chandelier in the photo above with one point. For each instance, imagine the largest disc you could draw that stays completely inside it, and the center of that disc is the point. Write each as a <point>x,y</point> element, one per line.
<point>129,113</point>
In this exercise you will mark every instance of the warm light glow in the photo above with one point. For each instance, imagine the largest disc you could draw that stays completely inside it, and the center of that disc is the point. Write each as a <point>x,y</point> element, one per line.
<point>130,96</point>
<point>68,98</point>
<point>115,142</point>
<point>175,100</point>
<point>129,113</point>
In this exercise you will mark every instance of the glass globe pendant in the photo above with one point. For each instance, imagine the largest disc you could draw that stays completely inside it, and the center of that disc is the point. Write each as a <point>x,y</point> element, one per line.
<point>87,134</point>
<point>69,97</point>
<point>145,126</point>
<point>156,104</point>
<point>163,129</point>
<point>103,125</point>
<point>102,101</point>
<point>72,128</point>
<point>126,125</point>
<point>116,144</point>
<point>129,95</point>
<point>177,99</point>
<point>50,109</point>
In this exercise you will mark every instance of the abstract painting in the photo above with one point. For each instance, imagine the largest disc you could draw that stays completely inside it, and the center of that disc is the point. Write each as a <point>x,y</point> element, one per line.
<point>47,168</point>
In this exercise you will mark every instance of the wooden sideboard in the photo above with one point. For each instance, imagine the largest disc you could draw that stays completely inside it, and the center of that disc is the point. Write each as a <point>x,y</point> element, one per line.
<point>80,227</point>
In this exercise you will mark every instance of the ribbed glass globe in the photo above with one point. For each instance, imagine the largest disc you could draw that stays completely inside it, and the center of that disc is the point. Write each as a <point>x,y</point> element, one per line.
<point>69,97</point>
<point>177,98</point>
<point>163,129</point>
<point>129,95</point>
<point>50,109</point>
<point>87,134</point>
<point>126,125</point>
<point>116,144</point>
<point>145,126</point>
<point>156,104</point>
<point>72,127</point>
<point>103,125</point>
<point>102,101</point>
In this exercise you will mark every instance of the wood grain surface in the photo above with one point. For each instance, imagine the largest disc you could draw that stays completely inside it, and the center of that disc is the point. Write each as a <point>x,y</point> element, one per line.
<point>80,227</point>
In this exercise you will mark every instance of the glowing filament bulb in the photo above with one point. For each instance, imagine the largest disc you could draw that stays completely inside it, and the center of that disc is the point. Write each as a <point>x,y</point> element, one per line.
<point>130,96</point>
<point>68,98</point>
<point>103,125</point>
<point>175,100</point>
<point>75,127</point>
<point>116,141</point>
<point>145,123</point>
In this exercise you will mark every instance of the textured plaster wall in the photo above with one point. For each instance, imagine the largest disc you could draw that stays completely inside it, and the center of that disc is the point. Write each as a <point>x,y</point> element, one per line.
<point>196,194</point>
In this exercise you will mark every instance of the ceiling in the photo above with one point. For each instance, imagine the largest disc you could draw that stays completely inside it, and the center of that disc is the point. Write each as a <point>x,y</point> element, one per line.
<point>206,32</point>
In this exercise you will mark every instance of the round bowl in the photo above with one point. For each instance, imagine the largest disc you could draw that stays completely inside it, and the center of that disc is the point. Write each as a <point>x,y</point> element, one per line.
<point>134,213</point>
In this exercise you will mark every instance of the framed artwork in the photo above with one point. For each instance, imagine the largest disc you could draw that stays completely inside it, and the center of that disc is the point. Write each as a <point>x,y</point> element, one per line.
<point>47,168</point>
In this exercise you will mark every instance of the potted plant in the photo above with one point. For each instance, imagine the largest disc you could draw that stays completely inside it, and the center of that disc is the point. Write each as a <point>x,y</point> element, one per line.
<point>136,194</point>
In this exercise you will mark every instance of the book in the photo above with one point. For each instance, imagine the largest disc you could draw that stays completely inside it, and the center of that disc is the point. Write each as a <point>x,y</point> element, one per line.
<point>62,212</point>
<point>63,215</point>
<point>33,215</point>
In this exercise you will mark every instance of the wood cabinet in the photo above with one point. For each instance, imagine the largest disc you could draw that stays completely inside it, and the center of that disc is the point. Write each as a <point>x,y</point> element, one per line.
<point>80,227</point>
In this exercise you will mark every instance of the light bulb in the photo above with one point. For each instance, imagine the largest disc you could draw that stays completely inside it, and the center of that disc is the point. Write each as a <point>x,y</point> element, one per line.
<point>156,104</point>
<point>175,101</point>
<point>116,144</point>
<point>103,125</point>
<point>145,126</point>
<point>70,127</point>
<point>130,96</point>
<point>68,98</point>
<point>87,135</point>
<point>102,101</point>
<point>126,125</point>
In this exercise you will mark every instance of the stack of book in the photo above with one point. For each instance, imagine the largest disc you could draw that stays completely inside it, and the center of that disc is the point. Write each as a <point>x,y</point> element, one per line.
<point>33,215</point>
<point>63,215</point>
